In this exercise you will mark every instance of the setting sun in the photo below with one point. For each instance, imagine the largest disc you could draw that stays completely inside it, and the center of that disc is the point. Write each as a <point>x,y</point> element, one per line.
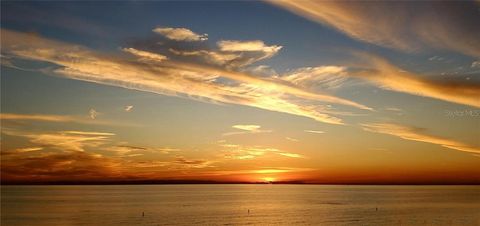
<point>269,179</point>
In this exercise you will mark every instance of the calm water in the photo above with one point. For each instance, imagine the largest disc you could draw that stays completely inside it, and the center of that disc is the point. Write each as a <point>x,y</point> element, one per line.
<point>230,204</point>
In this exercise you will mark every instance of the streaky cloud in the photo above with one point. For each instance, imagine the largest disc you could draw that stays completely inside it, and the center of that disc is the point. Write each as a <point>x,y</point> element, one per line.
<point>404,25</point>
<point>418,134</point>
<point>173,78</point>
<point>391,77</point>
<point>6,117</point>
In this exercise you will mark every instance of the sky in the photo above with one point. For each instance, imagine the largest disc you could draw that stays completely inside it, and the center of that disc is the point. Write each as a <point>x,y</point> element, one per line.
<point>251,91</point>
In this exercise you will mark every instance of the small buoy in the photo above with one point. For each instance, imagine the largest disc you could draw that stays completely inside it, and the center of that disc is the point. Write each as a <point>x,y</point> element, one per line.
<point>143,214</point>
<point>376,209</point>
<point>248,211</point>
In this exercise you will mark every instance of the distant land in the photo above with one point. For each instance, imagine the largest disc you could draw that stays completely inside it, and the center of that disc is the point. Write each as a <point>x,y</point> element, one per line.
<point>167,182</point>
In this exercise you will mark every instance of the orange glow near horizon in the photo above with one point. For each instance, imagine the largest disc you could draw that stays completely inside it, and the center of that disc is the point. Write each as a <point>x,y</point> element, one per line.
<point>269,179</point>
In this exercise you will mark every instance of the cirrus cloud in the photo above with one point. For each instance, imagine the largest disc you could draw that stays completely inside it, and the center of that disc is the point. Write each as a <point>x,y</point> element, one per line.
<point>404,25</point>
<point>418,134</point>
<point>197,81</point>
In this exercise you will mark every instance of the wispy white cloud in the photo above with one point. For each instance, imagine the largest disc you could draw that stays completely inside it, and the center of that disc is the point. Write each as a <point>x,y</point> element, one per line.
<point>247,127</point>
<point>291,155</point>
<point>247,46</point>
<point>93,113</point>
<point>314,131</point>
<point>475,64</point>
<point>323,77</point>
<point>291,139</point>
<point>418,134</point>
<point>180,34</point>
<point>246,130</point>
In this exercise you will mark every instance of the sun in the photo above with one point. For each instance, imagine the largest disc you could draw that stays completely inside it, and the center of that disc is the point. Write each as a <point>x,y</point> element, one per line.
<point>269,179</point>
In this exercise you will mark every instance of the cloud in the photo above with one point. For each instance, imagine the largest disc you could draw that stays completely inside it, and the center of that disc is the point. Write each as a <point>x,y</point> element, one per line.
<point>212,57</point>
<point>144,55</point>
<point>408,26</point>
<point>179,163</point>
<point>418,134</point>
<point>89,133</point>
<point>291,139</point>
<point>247,127</point>
<point>197,163</point>
<point>65,140</point>
<point>93,113</point>
<point>196,81</point>
<point>291,155</point>
<point>232,54</point>
<point>314,131</point>
<point>126,150</point>
<point>52,118</point>
<point>323,77</point>
<point>128,108</point>
<point>240,152</point>
<point>390,77</point>
<point>30,149</point>
<point>475,64</point>
<point>69,166</point>
<point>180,34</point>
<point>250,51</point>
<point>247,46</point>
<point>20,151</point>
<point>246,130</point>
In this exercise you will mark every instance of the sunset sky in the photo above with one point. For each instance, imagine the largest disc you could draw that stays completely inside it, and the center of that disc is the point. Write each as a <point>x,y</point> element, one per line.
<point>318,92</point>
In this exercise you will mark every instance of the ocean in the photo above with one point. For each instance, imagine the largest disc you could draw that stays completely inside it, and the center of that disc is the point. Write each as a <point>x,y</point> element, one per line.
<point>240,204</point>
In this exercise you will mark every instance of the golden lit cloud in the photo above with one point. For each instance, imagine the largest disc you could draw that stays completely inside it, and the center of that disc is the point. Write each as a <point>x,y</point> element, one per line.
<point>314,131</point>
<point>144,55</point>
<point>180,34</point>
<point>401,25</point>
<point>248,46</point>
<point>22,150</point>
<point>5,117</point>
<point>390,77</point>
<point>291,155</point>
<point>212,57</point>
<point>51,118</point>
<point>417,134</point>
<point>324,77</point>
<point>173,78</point>
<point>247,127</point>
<point>250,152</point>
<point>63,166</point>
<point>64,140</point>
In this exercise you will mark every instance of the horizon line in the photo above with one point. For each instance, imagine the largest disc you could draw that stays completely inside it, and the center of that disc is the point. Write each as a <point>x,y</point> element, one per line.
<point>193,182</point>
